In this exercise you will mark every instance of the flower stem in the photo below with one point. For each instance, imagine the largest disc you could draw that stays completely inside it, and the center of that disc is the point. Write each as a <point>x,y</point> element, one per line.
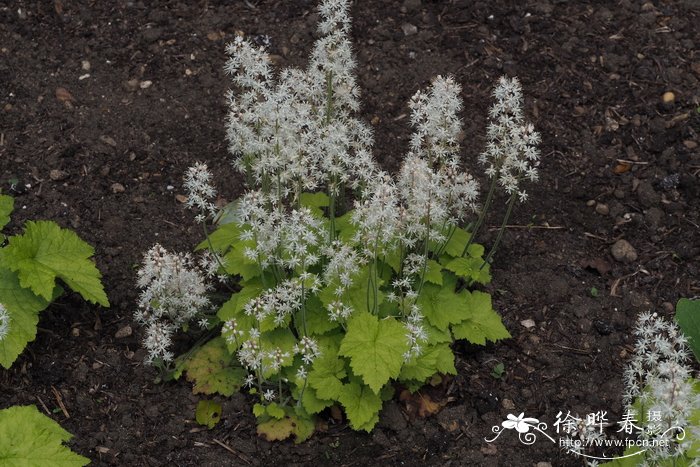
<point>482,214</point>
<point>511,203</point>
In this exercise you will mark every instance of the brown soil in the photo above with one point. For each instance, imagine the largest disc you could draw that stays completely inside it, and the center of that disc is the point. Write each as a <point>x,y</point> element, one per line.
<point>594,74</point>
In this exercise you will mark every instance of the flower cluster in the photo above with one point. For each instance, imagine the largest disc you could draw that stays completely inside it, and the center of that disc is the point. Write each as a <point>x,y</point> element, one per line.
<point>285,239</point>
<point>659,377</point>
<point>200,191</point>
<point>511,153</point>
<point>174,292</point>
<point>298,133</point>
<point>4,322</point>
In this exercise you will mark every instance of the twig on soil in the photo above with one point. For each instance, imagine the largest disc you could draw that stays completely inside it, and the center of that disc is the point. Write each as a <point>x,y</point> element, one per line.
<point>46,409</point>
<point>613,288</point>
<point>231,450</point>
<point>59,399</point>
<point>573,349</point>
<point>627,161</point>
<point>588,234</point>
<point>515,226</point>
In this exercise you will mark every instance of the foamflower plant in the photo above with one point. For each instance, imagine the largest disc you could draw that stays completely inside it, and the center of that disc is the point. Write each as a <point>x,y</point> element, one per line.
<point>349,280</point>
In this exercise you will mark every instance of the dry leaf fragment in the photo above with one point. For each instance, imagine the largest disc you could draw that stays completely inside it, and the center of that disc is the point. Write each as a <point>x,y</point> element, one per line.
<point>622,167</point>
<point>63,95</point>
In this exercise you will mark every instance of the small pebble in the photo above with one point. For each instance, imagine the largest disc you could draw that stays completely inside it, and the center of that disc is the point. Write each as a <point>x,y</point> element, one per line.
<point>668,97</point>
<point>602,209</point>
<point>108,140</point>
<point>145,84</point>
<point>623,252</point>
<point>131,85</point>
<point>668,307</point>
<point>118,188</point>
<point>409,29</point>
<point>126,331</point>
<point>508,404</point>
<point>528,323</point>
<point>590,203</point>
<point>85,65</point>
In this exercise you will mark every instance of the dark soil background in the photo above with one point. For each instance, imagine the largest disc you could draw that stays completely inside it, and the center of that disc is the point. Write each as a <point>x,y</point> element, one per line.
<point>104,104</point>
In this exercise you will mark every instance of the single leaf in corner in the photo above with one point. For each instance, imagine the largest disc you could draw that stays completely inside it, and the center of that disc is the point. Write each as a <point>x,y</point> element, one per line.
<point>7,203</point>
<point>688,319</point>
<point>23,307</point>
<point>46,252</point>
<point>29,438</point>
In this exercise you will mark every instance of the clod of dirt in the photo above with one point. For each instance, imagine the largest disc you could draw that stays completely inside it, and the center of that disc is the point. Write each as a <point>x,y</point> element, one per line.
<point>108,140</point>
<point>654,217</point>
<point>623,252</point>
<point>131,85</point>
<point>646,194</point>
<point>58,175</point>
<point>118,188</point>
<point>411,5</point>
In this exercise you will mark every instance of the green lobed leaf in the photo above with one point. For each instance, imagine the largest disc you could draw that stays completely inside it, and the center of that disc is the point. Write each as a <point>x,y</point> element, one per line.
<point>213,369</point>
<point>301,426</point>
<point>434,359</point>
<point>356,296</point>
<point>233,309</point>
<point>237,263</point>
<point>393,259</point>
<point>455,245</point>
<point>440,305</point>
<point>345,227</point>
<point>29,438</point>
<point>482,321</point>
<point>312,403</point>
<point>275,411</point>
<point>362,405</point>
<point>224,237</point>
<point>315,201</point>
<point>23,308</point>
<point>208,413</point>
<point>688,319</point>
<point>433,272</point>
<point>326,374</point>
<point>7,204</point>
<point>282,339</point>
<point>470,268</point>
<point>375,348</point>
<point>46,252</point>
<point>317,321</point>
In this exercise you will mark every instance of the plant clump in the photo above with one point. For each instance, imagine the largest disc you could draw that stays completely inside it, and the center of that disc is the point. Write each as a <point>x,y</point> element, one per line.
<point>350,279</point>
